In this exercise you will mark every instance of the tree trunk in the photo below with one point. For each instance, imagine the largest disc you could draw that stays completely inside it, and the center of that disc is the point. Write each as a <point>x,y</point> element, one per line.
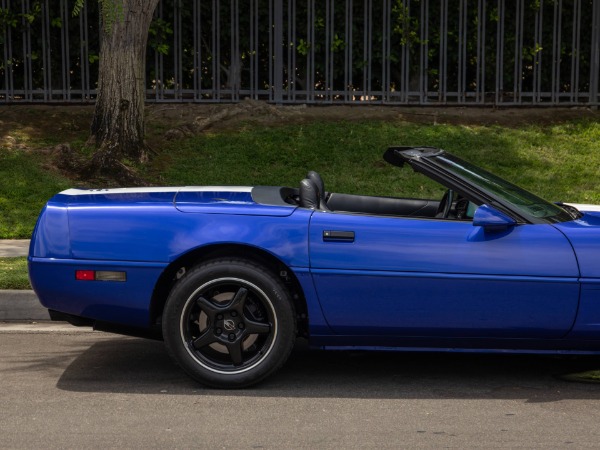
<point>118,125</point>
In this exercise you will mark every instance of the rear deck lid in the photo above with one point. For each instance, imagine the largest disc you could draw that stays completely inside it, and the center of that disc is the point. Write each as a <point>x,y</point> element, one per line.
<point>236,200</point>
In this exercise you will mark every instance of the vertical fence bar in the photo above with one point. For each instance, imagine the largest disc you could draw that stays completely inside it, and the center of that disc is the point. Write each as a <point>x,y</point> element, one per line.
<point>197,37</point>
<point>574,83</point>
<point>84,54</point>
<point>252,49</point>
<point>575,41</point>
<point>27,60</point>
<point>331,49</point>
<point>216,47</point>
<point>462,52</point>
<point>256,50</point>
<point>6,48</point>
<point>595,54</point>
<point>158,63</point>
<point>369,49</point>
<point>518,63</point>
<point>235,69</point>
<point>385,60</point>
<point>4,94</point>
<point>480,65</point>
<point>348,66</point>
<point>310,56</point>
<point>277,81</point>
<point>292,46</point>
<point>328,52</point>
<point>405,52</point>
<point>64,50</point>
<point>556,51</point>
<point>500,54</point>
<point>366,52</point>
<point>9,63</point>
<point>46,63</point>
<point>537,57</point>
<point>28,56</point>
<point>424,54</point>
<point>289,46</point>
<point>177,78</point>
<point>461,61</point>
<point>271,40</point>
<point>443,81</point>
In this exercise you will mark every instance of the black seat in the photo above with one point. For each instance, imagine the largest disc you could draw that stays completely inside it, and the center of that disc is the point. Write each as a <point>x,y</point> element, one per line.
<point>310,196</point>
<point>318,181</point>
<point>316,178</point>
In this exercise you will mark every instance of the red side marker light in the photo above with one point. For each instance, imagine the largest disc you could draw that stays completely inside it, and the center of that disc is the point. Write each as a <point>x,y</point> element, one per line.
<point>85,275</point>
<point>100,275</point>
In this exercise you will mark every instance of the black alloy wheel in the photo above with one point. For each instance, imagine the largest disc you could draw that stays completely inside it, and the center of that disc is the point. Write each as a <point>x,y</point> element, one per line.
<point>229,323</point>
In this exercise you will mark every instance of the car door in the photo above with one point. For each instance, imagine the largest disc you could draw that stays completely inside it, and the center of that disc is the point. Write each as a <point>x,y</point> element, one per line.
<point>397,276</point>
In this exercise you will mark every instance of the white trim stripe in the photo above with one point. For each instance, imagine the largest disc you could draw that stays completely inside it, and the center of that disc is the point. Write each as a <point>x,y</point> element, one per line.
<point>148,190</point>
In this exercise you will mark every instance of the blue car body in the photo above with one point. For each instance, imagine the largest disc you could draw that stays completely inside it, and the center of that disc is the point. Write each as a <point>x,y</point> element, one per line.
<point>493,282</point>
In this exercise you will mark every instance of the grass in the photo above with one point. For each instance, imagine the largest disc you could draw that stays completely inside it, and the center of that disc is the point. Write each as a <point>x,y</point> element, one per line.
<point>558,162</point>
<point>25,186</point>
<point>590,376</point>
<point>13,273</point>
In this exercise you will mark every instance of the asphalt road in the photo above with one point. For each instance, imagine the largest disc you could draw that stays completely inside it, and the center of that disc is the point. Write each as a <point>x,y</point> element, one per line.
<point>92,390</point>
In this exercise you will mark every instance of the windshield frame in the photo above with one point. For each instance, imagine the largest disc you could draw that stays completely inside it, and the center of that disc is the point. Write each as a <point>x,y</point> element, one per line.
<point>481,185</point>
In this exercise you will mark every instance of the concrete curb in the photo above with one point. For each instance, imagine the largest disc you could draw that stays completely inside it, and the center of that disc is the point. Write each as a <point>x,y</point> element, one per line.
<point>21,306</point>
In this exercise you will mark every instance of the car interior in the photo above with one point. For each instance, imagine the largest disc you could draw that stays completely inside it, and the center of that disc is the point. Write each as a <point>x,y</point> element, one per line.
<point>312,195</point>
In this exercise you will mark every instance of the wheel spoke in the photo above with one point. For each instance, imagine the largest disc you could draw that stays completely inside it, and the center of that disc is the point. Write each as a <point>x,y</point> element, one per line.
<point>235,352</point>
<point>239,299</point>
<point>253,327</point>
<point>207,338</point>
<point>208,307</point>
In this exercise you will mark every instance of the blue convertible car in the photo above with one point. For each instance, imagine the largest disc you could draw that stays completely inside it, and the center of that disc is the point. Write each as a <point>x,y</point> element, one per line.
<point>230,276</point>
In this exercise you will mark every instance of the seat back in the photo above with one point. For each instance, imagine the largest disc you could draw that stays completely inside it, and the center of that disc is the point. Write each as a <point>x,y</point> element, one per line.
<point>309,194</point>
<point>318,182</point>
<point>316,178</point>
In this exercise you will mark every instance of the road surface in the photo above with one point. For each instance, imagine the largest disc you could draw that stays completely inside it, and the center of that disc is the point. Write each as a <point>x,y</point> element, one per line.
<point>92,390</point>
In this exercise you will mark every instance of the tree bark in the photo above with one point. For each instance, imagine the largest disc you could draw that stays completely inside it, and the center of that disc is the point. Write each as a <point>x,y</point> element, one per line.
<point>117,128</point>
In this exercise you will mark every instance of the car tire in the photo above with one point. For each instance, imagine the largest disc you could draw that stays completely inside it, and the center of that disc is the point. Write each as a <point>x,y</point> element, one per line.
<point>229,323</point>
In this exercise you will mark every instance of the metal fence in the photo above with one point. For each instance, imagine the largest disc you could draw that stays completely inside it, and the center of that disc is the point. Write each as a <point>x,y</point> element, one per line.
<point>427,52</point>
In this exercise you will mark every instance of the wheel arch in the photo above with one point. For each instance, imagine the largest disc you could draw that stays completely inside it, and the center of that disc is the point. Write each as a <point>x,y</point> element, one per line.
<point>194,257</point>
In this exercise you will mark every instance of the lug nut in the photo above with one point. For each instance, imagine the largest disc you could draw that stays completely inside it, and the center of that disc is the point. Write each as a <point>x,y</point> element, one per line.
<point>218,331</point>
<point>232,337</point>
<point>219,316</point>
<point>233,313</point>
<point>241,325</point>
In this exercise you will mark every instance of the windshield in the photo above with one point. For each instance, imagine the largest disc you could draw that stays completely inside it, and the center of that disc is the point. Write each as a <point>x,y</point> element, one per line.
<point>527,204</point>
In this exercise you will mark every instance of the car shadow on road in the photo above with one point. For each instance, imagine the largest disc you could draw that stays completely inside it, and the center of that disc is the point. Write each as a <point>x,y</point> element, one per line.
<point>129,365</point>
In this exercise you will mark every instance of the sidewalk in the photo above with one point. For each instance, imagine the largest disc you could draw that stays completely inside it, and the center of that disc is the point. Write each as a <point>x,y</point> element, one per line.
<point>13,247</point>
<point>19,305</point>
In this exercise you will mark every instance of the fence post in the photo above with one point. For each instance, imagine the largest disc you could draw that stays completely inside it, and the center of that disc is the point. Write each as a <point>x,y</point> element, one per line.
<point>595,56</point>
<point>277,81</point>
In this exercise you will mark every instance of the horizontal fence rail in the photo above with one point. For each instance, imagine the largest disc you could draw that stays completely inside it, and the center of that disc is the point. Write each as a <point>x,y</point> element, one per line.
<point>425,52</point>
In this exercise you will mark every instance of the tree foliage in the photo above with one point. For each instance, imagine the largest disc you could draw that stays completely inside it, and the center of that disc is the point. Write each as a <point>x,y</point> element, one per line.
<point>110,11</point>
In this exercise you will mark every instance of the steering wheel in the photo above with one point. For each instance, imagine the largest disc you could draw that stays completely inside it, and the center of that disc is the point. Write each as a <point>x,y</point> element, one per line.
<point>445,204</point>
<point>462,207</point>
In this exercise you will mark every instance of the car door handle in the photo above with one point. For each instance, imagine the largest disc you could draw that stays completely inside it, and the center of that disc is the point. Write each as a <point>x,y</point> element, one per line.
<point>338,236</point>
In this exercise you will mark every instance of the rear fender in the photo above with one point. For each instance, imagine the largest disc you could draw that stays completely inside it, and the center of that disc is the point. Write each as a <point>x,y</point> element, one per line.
<point>50,237</point>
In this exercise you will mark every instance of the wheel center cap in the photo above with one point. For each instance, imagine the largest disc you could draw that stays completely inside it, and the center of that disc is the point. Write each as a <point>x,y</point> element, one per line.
<point>229,325</point>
